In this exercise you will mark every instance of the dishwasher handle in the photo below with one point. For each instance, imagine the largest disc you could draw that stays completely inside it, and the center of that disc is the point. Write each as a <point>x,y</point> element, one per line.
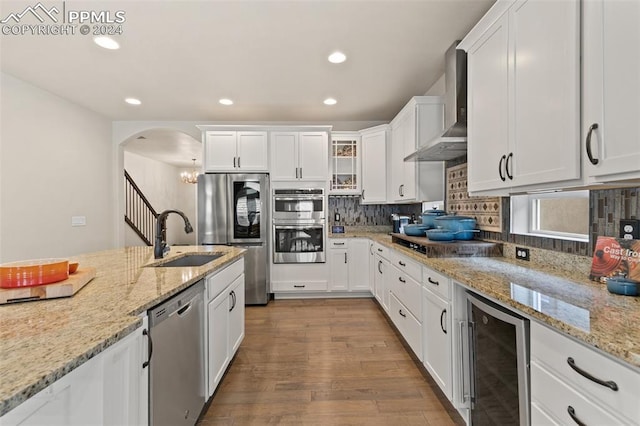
<point>150,346</point>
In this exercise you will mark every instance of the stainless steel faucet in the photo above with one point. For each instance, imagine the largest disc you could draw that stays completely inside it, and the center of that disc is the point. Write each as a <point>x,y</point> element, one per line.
<point>160,247</point>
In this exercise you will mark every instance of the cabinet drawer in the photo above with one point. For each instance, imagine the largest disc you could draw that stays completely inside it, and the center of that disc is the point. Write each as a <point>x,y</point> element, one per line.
<point>219,280</point>
<point>436,282</point>
<point>381,250</point>
<point>299,286</point>
<point>556,397</point>
<point>338,244</point>
<point>552,350</point>
<point>407,290</point>
<point>407,324</point>
<point>406,265</point>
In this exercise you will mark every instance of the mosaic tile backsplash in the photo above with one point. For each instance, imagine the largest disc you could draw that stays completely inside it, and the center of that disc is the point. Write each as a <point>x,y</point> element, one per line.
<point>352,213</point>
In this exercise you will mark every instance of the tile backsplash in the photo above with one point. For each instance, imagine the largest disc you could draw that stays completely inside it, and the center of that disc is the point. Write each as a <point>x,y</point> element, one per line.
<point>352,213</point>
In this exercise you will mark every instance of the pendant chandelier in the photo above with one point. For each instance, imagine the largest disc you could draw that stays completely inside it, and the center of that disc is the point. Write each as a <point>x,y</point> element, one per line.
<point>190,177</point>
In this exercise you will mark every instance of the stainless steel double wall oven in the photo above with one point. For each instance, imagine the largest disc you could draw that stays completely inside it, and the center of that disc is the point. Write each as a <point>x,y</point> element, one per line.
<point>298,226</point>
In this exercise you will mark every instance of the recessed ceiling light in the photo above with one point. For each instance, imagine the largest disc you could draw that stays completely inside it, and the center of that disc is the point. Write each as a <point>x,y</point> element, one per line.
<point>225,101</point>
<point>330,101</point>
<point>133,101</point>
<point>337,58</point>
<point>106,42</point>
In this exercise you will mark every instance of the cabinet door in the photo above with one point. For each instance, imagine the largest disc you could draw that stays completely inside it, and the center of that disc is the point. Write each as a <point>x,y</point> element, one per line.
<point>125,383</point>
<point>236,315</point>
<point>252,151</point>
<point>409,128</point>
<point>546,92</point>
<point>397,161</point>
<point>379,281</point>
<point>374,176</point>
<point>611,73</point>
<point>284,156</point>
<point>220,151</point>
<point>314,156</point>
<point>338,260</point>
<point>436,326</point>
<point>218,311</point>
<point>488,132</point>
<point>358,265</point>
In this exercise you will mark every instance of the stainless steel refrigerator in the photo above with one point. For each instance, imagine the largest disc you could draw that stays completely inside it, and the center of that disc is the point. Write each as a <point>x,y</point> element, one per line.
<point>233,209</point>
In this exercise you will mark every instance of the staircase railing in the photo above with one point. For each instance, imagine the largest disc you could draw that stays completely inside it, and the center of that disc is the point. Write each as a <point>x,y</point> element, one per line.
<point>139,214</point>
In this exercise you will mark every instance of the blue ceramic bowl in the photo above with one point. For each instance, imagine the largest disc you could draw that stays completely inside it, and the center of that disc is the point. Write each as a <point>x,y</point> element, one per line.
<point>623,286</point>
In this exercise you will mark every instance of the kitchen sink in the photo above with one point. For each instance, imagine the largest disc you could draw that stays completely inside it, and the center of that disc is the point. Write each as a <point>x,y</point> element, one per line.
<point>190,260</point>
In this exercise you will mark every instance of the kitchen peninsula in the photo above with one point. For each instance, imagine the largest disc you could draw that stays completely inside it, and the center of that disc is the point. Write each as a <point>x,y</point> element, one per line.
<point>43,341</point>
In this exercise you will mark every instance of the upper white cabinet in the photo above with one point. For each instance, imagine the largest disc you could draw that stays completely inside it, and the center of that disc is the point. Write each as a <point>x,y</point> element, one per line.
<point>524,96</point>
<point>418,122</point>
<point>374,162</point>
<point>611,91</point>
<point>345,163</point>
<point>299,156</point>
<point>229,151</point>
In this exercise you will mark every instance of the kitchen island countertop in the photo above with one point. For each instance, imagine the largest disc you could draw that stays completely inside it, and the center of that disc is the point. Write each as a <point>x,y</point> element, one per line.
<point>42,341</point>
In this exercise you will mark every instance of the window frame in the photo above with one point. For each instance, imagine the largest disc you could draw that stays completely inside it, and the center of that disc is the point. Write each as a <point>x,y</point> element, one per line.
<point>525,215</point>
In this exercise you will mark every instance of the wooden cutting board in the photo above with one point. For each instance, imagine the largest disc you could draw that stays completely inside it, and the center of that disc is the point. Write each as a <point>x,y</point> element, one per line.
<point>65,288</point>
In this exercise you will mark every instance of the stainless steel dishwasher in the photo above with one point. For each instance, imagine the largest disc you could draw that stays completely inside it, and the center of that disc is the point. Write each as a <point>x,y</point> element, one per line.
<point>177,376</point>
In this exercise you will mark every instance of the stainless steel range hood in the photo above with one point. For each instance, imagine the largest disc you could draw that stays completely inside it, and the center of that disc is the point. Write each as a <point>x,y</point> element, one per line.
<point>452,143</point>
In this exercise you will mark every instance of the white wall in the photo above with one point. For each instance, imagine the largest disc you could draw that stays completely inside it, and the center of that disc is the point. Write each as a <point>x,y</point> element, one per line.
<point>161,184</point>
<point>56,161</point>
<point>438,88</point>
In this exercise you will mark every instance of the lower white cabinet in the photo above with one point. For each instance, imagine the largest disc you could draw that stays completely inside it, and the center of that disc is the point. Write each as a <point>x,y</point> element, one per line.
<point>109,389</point>
<point>349,264</point>
<point>380,281</point>
<point>408,325</point>
<point>436,339</point>
<point>225,321</point>
<point>570,381</point>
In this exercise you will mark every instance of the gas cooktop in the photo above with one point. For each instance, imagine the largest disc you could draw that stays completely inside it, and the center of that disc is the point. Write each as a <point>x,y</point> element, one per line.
<point>471,248</point>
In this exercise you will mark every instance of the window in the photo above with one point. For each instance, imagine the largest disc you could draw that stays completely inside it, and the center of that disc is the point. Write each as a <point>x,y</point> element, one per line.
<point>560,215</point>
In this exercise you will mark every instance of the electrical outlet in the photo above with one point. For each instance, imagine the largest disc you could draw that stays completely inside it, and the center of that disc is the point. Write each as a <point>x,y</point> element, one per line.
<point>630,229</point>
<point>522,253</point>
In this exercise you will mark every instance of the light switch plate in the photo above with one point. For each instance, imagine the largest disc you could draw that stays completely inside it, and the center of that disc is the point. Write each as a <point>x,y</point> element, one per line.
<point>78,220</point>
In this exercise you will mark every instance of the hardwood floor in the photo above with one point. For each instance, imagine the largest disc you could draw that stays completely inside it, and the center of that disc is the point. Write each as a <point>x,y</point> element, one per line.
<point>324,362</point>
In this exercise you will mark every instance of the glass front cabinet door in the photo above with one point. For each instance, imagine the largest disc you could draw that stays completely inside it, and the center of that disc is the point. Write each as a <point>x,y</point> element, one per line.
<point>345,163</point>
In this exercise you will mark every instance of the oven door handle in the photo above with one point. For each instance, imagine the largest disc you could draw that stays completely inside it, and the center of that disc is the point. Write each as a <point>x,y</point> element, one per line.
<point>305,198</point>
<point>298,226</point>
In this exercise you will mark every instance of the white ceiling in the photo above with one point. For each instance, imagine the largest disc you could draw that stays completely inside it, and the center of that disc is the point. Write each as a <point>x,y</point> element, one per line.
<point>270,57</point>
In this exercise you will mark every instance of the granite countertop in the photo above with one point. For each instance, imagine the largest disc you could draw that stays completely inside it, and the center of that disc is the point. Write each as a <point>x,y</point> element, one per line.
<point>44,340</point>
<point>556,292</point>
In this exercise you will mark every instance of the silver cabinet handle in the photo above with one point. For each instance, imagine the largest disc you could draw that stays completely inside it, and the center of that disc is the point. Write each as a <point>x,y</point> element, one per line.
<point>463,395</point>
<point>592,160</point>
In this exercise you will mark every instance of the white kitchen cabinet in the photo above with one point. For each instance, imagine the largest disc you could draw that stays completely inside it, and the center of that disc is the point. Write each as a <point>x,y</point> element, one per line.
<point>235,151</point>
<point>225,320</point>
<point>110,388</point>
<point>345,163</point>
<point>611,90</point>
<point>299,156</point>
<point>349,264</point>
<point>126,380</point>
<point>374,165</point>
<point>560,370</point>
<point>436,330</point>
<point>407,324</point>
<point>524,96</point>
<point>380,282</point>
<point>418,122</point>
